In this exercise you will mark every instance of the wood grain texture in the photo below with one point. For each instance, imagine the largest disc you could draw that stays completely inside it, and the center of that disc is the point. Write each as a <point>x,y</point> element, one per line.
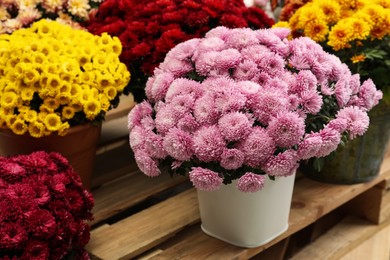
<point>140,232</point>
<point>127,191</point>
<point>350,234</point>
<point>376,247</point>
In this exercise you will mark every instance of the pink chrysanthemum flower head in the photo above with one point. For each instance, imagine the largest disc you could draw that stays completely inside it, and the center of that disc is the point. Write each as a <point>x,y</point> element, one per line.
<point>250,182</point>
<point>286,129</point>
<point>178,144</point>
<point>205,179</point>
<point>357,120</point>
<point>232,159</point>
<point>234,126</point>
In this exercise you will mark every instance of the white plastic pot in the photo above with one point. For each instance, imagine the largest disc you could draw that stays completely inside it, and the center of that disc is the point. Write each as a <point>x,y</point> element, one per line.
<point>247,219</point>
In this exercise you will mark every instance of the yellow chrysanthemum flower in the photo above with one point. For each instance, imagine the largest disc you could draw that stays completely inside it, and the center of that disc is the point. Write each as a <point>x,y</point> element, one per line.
<point>53,81</point>
<point>64,128</point>
<point>103,81</point>
<point>52,122</point>
<point>11,87</point>
<point>104,102</point>
<point>27,94</point>
<point>76,106</point>
<point>19,127</point>
<point>10,119</point>
<point>110,92</point>
<point>360,29</point>
<point>31,75</point>
<point>339,36</point>
<point>100,61</point>
<point>331,9</point>
<point>84,95</point>
<point>42,29</point>
<point>116,45</point>
<point>358,58</point>
<point>63,98</point>
<point>51,103</point>
<point>45,109</point>
<point>9,99</point>
<point>83,58</point>
<point>86,77</point>
<point>39,58</point>
<point>67,69</point>
<point>103,40</point>
<point>30,116</point>
<point>91,108</point>
<point>68,112</point>
<point>383,3</point>
<point>36,129</point>
<point>282,24</point>
<point>45,49</point>
<point>317,30</point>
<point>65,88</point>
<point>309,14</point>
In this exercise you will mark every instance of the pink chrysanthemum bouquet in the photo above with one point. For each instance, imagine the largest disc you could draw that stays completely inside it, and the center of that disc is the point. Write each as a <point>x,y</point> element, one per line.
<point>243,104</point>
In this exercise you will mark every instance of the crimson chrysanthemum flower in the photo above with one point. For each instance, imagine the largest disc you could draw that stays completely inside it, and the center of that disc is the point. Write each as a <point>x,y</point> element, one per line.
<point>42,208</point>
<point>149,29</point>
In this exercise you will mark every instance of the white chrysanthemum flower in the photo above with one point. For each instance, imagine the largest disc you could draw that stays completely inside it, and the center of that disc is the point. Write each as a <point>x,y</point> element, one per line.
<point>27,4</point>
<point>11,25</point>
<point>53,5</point>
<point>79,8</point>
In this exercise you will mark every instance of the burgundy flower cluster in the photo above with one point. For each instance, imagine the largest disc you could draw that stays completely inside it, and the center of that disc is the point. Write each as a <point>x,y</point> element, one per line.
<point>148,29</point>
<point>42,208</point>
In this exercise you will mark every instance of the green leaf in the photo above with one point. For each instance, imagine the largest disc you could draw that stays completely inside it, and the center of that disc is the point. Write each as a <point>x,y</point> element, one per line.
<point>318,164</point>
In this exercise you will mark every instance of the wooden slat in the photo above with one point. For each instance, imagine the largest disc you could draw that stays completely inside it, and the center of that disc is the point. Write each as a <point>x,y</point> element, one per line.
<point>113,164</point>
<point>311,200</point>
<point>127,191</point>
<point>374,205</point>
<point>132,236</point>
<point>343,238</point>
<point>377,247</point>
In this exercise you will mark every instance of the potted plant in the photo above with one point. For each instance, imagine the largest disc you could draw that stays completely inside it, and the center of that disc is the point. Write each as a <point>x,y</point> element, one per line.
<point>21,14</point>
<point>56,85</point>
<point>358,33</point>
<point>149,29</point>
<point>43,208</point>
<point>243,107</point>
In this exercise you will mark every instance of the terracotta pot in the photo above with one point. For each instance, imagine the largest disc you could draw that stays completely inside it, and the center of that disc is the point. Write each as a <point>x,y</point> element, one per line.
<point>79,146</point>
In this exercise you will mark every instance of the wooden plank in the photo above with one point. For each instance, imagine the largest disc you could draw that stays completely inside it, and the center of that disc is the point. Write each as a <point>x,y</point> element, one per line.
<point>113,164</point>
<point>132,236</point>
<point>127,191</point>
<point>376,247</point>
<point>275,252</point>
<point>311,200</point>
<point>342,239</point>
<point>374,205</point>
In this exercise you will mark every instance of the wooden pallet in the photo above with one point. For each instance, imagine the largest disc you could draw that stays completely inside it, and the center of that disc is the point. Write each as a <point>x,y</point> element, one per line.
<point>137,217</point>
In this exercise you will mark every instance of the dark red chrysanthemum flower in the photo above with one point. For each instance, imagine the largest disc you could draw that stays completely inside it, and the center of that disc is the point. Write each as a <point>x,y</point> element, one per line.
<point>12,172</point>
<point>13,235</point>
<point>42,223</point>
<point>36,250</point>
<point>149,29</point>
